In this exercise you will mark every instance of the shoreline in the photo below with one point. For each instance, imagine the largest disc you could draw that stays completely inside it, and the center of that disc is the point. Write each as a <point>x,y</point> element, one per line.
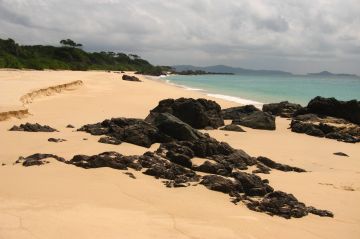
<point>102,202</point>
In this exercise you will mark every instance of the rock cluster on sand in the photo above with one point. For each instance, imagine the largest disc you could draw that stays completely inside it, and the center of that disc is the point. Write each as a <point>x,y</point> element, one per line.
<point>28,127</point>
<point>329,118</point>
<point>130,78</point>
<point>180,142</point>
<point>37,159</point>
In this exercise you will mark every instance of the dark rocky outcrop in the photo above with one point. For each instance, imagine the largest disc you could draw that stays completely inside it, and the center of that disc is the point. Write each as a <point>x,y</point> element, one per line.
<point>130,78</point>
<point>214,168</point>
<point>285,205</point>
<point>199,113</point>
<point>134,131</point>
<point>109,140</point>
<point>349,110</point>
<point>28,127</point>
<point>239,111</point>
<point>56,140</point>
<point>340,133</point>
<point>252,184</point>
<point>283,109</point>
<point>232,127</point>
<point>282,167</point>
<point>107,159</point>
<point>257,120</point>
<point>37,159</point>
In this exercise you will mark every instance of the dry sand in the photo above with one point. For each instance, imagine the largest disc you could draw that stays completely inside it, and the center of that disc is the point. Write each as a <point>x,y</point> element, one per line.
<point>62,201</point>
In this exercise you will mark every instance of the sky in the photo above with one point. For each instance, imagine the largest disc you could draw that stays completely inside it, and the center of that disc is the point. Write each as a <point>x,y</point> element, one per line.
<point>299,36</point>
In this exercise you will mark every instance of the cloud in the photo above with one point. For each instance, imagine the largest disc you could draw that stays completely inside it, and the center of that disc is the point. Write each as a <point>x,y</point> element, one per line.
<point>250,33</point>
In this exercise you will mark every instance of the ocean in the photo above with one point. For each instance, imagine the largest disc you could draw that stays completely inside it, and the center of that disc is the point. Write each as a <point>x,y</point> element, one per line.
<point>257,90</point>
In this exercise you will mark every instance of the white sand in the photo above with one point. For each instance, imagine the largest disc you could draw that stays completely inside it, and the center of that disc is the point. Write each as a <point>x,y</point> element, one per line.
<point>62,201</point>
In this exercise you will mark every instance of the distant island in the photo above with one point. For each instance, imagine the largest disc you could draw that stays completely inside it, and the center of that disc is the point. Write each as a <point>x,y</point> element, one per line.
<point>222,69</point>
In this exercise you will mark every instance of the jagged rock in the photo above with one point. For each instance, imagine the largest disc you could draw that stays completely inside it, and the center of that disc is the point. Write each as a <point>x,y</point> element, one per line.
<point>341,154</point>
<point>106,159</point>
<point>28,127</point>
<point>180,159</point>
<point>307,128</point>
<point>284,109</point>
<point>213,168</point>
<point>252,184</point>
<point>232,127</point>
<point>135,131</point>
<point>239,111</point>
<point>261,168</point>
<point>236,159</point>
<point>130,78</point>
<point>221,184</point>
<point>349,110</point>
<point>170,125</point>
<point>109,140</point>
<point>280,204</point>
<point>56,140</point>
<point>37,159</point>
<point>70,126</point>
<point>282,167</point>
<point>199,113</point>
<point>257,120</point>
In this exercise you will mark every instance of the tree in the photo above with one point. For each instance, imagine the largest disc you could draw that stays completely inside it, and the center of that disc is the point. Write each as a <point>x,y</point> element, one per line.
<point>69,43</point>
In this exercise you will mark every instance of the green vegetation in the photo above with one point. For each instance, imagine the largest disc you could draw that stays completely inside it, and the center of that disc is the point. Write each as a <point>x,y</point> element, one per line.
<point>70,56</point>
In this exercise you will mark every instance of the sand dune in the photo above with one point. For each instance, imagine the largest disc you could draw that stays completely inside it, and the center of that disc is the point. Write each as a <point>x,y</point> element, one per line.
<point>63,201</point>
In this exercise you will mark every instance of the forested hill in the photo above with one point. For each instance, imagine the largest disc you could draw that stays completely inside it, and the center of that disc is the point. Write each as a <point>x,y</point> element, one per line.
<point>69,56</point>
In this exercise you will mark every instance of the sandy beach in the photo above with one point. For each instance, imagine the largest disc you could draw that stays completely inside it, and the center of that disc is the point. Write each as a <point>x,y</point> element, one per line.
<point>62,201</point>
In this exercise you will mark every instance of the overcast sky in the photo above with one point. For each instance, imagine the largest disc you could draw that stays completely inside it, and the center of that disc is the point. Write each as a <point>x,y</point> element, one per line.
<point>293,35</point>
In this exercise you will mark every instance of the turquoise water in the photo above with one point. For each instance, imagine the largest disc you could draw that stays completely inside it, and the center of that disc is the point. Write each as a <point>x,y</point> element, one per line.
<point>266,89</point>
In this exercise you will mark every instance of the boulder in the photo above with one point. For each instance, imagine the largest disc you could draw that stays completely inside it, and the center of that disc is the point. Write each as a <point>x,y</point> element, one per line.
<point>257,120</point>
<point>213,168</point>
<point>109,140</point>
<point>130,78</point>
<point>28,127</point>
<point>283,109</point>
<point>198,113</point>
<point>175,128</point>
<point>349,110</point>
<point>232,127</point>
<point>239,111</point>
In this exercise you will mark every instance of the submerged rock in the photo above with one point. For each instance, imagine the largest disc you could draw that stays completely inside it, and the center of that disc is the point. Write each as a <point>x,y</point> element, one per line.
<point>28,127</point>
<point>199,113</point>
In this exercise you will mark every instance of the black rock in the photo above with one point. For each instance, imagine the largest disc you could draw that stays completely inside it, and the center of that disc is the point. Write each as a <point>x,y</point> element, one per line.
<point>252,184</point>
<point>131,175</point>
<point>239,111</point>
<point>321,213</point>
<point>213,168</point>
<point>109,140</point>
<point>282,167</point>
<point>199,113</point>
<point>221,184</point>
<point>307,128</point>
<point>107,159</point>
<point>56,140</point>
<point>180,159</point>
<point>70,126</point>
<point>341,154</point>
<point>175,128</point>
<point>284,109</point>
<point>28,127</point>
<point>232,127</point>
<point>280,204</point>
<point>130,78</point>
<point>38,159</point>
<point>349,110</point>
<point>257,120</point>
